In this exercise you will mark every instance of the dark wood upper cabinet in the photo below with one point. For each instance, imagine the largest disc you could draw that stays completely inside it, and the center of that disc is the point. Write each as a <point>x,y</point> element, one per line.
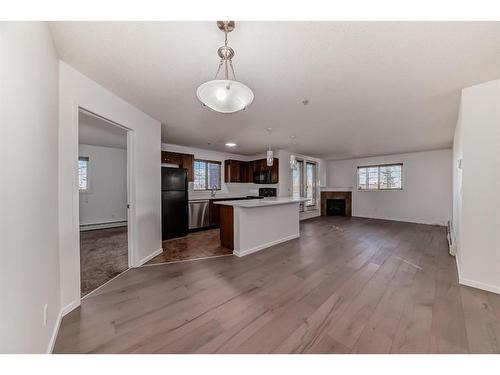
<point>188,163</point>
<point>182,160</point>
<point>242,171</point>
<point>275,171</point>
<point>232,171</point>
<point>171,157</point>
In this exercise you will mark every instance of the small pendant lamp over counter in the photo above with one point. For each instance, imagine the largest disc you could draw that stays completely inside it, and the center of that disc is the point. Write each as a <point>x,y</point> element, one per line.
<point>269,154</point>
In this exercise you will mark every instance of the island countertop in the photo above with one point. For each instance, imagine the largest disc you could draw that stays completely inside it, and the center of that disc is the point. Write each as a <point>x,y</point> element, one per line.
<point>265,202</point>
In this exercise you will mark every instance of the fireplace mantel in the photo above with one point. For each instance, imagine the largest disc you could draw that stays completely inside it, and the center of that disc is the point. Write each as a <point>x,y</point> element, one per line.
<point>346,195</point>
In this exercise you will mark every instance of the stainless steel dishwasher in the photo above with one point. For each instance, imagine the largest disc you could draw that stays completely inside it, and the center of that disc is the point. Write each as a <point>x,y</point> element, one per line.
<point>199,214</point>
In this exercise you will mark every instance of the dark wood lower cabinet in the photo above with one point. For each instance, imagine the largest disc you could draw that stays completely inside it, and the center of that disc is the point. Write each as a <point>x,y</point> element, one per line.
<point>227,226</point>
<point>214,213</point>
<point>214,210</point>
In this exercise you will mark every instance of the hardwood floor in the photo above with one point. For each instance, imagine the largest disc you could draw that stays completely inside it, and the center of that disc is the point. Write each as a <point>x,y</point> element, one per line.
<point>195,245</point>
<point>345,286</point>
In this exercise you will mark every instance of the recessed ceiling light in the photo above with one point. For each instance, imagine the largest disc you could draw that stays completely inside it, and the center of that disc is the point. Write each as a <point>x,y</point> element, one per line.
<point>230,144</point>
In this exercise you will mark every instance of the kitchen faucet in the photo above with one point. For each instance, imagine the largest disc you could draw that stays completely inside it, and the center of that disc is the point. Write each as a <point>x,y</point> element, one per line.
<point>213,191</point>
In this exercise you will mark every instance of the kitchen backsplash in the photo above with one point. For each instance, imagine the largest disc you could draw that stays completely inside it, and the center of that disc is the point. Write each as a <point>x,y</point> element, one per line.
<point>242,189</point>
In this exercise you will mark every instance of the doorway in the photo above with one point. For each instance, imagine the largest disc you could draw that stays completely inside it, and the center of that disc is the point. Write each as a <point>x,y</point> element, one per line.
<point>103,200</point>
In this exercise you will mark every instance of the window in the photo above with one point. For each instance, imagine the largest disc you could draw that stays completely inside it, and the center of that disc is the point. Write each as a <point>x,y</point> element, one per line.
<point>83,173</point>
<point>381,177</point>
<point>206,175</point>
<point>304,182</point>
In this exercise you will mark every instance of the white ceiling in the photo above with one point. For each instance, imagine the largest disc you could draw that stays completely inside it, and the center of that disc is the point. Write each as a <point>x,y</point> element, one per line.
<point>95,131</point>
<point>374,87</point>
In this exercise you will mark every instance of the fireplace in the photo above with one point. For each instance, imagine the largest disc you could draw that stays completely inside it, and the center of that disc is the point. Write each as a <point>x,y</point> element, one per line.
<point>335,203</point>
<point>335,207</point>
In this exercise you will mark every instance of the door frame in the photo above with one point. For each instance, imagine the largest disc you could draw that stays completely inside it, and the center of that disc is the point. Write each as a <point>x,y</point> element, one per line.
<point>131,227</point>
<point>303,182</point>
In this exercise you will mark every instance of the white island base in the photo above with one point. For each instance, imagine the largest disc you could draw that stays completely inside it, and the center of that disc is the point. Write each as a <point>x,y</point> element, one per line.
<point>251,225</point>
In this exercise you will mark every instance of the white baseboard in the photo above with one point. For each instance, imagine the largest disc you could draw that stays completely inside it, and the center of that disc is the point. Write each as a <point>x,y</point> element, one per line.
<point>479,285</point>
<point>265,246</point>
<point>70,307</point>
<point>404,220</point>
<point>149,257</point>
<point>113,224</point>
<point>53,338</point>
<point>475,284</point>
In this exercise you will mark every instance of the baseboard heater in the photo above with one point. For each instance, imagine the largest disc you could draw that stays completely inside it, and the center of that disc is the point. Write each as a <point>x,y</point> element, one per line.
<point>452,249</point>
<point>112,224</point>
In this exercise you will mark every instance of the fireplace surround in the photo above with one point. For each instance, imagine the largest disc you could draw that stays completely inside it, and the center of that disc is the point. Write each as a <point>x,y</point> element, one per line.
<point>334,197</point>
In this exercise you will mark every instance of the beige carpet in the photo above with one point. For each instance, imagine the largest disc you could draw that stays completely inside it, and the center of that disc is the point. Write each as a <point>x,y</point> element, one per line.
<point>103,255</point>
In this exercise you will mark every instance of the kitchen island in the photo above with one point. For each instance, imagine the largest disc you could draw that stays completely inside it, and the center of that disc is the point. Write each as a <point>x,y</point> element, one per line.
<point>247,226</point>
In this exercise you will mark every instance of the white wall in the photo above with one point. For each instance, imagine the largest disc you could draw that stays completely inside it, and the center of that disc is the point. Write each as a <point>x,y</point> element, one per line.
<point>29,256</point>
<point>477,208</point>
<point>76,90</point>
<point>427,192</point>
<point>106,199</point>
<point>229,188</point>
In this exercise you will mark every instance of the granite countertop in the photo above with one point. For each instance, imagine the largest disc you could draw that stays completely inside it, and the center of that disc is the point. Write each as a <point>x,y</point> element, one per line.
<point>253,203</point>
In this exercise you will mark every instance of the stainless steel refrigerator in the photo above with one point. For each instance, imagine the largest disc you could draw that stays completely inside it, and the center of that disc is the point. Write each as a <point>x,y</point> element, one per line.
<point>174,202</point>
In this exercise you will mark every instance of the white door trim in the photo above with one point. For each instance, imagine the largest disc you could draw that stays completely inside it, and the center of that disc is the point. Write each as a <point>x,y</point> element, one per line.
<point>131,229</point>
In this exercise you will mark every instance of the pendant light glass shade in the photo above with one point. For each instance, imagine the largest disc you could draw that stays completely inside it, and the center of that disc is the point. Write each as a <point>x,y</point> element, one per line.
<point>269,158</point>
<point>225,96</point>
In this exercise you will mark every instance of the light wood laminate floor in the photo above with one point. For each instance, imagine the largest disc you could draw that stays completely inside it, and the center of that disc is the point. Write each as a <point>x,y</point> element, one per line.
<point>345,286</point>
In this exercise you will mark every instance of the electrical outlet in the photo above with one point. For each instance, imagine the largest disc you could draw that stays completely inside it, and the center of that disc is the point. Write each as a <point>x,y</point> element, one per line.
<point>44,314</point>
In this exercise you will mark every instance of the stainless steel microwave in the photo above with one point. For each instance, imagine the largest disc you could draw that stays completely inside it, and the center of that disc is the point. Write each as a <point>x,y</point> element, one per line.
<point>262,177</point>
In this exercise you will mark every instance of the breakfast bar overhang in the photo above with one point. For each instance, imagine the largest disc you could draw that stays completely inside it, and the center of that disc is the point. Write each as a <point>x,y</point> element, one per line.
<point>252,225</point>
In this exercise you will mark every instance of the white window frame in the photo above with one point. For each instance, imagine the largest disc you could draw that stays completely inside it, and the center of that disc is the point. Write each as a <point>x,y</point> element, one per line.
<point>87,190</point>
<point>378,188</point>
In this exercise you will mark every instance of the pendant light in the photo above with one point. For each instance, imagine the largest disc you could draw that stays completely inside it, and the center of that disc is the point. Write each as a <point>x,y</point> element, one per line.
<point>225,95</point>
<point>269,154</point>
